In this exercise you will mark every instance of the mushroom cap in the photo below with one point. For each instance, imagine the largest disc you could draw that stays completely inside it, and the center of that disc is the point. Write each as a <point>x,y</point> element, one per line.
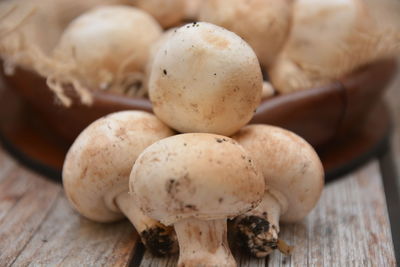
<point>167,12</point>
<point>264,24</point>
<point>196,175</point>
<point>289,165</point>
<point>192,9</point>
<point>153,51</point>
<point>306,61</point>
<point>107,41</point>
<point>98,164</point>
<point>332,21</point>
<point>205,79</point>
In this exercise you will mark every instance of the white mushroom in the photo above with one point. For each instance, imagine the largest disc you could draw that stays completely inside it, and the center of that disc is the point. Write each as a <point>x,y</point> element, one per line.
<point>267,90</point>
<point>23,42</point>
<point>105,48</point>
<point>264,24</point>
<point>205,79</point>
<point>153,52</point>
<point>97,167</point>
<point>195,182</point>
<point>167,12</point>
<point>329,39</point>
<point>294,177</point>
<point>192,9</point>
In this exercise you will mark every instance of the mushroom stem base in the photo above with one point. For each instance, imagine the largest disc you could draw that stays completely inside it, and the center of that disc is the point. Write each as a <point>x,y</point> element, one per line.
<point>159,239</point>
<point>203,243</point>
<point>257,230</point>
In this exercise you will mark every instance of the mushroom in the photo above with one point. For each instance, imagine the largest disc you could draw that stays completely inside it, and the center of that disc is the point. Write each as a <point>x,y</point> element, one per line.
<point>167,12</point>
<point>195,182</point>
<point>205,79</point>
<point>267,90</point>
<point>329,39</point>
<point>153,51</point>
<point>192,9</point>
<point>294,177</point>
<point>264,24</point>
<point>106,48</point>
<point>96,173</point>
<point>23,42</point>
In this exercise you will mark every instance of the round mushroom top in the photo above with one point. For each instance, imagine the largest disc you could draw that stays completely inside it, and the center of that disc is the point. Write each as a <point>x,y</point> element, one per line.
<point>289,165</point>
<point>196,175</point>
<point>107,41</point>
<point>264,24</point>
<point>98,164</point>
<point>167,12</point>
<point>205,79</point>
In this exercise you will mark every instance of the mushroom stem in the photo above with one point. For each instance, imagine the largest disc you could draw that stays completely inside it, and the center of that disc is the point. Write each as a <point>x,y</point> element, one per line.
<point>203,243</point>
<point>158,238</point>
<point>257,230</point>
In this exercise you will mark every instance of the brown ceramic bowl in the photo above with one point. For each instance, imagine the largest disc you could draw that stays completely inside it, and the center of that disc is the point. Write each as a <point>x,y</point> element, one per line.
<point>318,114</point>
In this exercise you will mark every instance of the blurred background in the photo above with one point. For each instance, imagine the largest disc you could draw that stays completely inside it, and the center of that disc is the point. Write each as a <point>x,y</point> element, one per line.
<point>327,66</point>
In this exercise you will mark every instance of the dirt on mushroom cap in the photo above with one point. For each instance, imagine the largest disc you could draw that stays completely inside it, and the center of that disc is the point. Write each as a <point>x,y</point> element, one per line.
<point>195,175</point>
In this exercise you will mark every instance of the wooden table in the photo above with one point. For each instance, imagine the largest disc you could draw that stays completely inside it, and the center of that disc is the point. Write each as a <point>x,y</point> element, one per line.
<point>349,227</point>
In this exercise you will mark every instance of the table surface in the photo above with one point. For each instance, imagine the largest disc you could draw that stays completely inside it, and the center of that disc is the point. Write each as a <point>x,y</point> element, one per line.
<point>349,227</point>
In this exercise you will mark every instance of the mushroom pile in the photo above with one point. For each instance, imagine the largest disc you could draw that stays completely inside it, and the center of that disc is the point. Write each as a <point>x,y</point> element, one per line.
<point>182,174</point>
<point>110,45</point>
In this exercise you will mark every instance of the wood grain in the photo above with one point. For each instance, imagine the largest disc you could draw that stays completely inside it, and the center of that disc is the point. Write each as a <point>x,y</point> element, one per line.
<point>38,226</point>
<point>349,227</point>
<point>67,239</point>
<point>25,200</point>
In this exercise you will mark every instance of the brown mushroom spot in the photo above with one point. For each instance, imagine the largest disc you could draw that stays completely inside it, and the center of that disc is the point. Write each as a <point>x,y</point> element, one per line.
<point>84,172</point>
<point>191,207</point>
<point>216,40</point>
<point>171,186</point>
<point>195,107</point>
<point>121,133</point>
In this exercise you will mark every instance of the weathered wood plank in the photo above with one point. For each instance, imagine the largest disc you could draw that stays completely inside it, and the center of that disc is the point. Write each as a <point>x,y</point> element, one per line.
<point>38,227</point>
<point>67,239</point>
<point>151,261</point>
<point>25,200</point>
<point>349,227</point>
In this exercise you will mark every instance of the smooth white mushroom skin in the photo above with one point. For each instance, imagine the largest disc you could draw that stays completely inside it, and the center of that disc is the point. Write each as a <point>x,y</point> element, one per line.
<point>205,79</point>
<point>294,175</point>
<point>106,48</point>
<point>195,182</point>
<point>167,12</point>
<point>264,24</point>
<point>97,167</point>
